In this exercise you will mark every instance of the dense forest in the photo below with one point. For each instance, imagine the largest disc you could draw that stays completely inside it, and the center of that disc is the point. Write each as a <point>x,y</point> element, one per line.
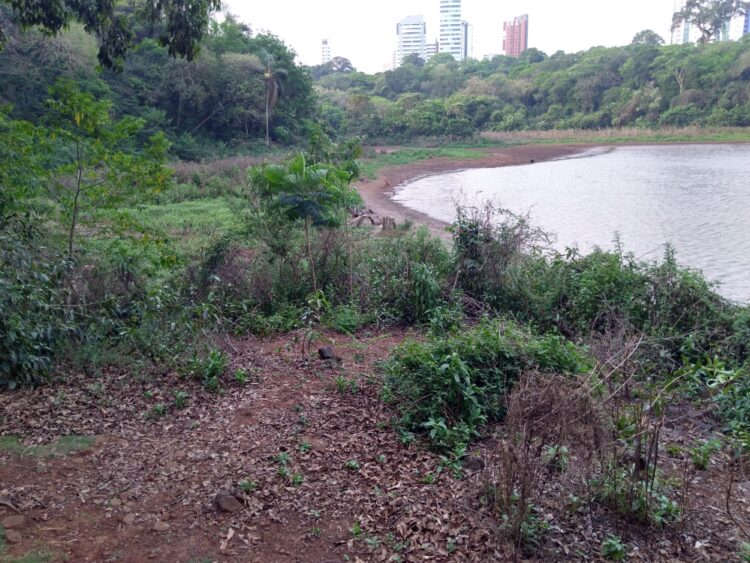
<point>217,103</point>
<point>246,364</point>
<point>644,84</point>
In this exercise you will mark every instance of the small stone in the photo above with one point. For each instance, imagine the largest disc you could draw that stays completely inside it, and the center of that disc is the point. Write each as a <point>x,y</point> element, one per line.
<point>115,502</point>
<point>14,522</point>
<point>227,503</point>
<point>13,536</point>
<point>160,526</point>
<point>325,353</point>
<point>128,519</point>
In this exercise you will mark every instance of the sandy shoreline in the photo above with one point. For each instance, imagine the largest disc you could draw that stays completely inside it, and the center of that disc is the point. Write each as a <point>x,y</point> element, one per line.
<point>377,193</point>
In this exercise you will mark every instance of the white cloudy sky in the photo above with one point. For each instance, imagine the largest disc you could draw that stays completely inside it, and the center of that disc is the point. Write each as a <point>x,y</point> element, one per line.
<point>365,31</point>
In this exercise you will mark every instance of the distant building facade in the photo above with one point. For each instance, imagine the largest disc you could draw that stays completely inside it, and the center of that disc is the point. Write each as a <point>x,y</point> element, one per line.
<point>467,40</point>
<point>412,38</point>
<point>326,51</point>
<point>430,50</point>
<point>516,39</point>
<point>451,29</point>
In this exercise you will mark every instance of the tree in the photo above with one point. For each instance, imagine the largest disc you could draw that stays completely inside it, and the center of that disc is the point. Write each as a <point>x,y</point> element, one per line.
<point>313,193</point>
<point>272,79</point>
<point>181,23</point>
<point>415,59</point>
<point>297,102</point>
<point>647,37</point>
<point>89,168</point>
<point>709,16</point>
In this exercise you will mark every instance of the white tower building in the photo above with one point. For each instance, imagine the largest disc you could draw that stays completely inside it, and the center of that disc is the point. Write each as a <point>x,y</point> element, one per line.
<point>451,31</point>
<point>412,38</point>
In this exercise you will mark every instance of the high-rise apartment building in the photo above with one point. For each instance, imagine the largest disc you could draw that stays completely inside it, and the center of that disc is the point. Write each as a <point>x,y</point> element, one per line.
<point>451,30</point>
<point>412,38</point>
<point>516,39</point>
<point>326,51</point>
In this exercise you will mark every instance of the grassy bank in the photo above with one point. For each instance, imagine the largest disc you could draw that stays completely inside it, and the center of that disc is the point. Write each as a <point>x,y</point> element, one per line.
<point>377,160</point>
<point>625,135</point>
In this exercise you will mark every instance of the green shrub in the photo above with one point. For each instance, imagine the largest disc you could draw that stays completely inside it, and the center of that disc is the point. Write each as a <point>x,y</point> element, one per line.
<point>701,454</point>
<point>404,276</point>
<point>345,319</point>
<point>208,369</point>
<point>452,385</point>
<point>34,309</point>
<point>425,291</point>
<point>613,549</point>
<point>638,497</point>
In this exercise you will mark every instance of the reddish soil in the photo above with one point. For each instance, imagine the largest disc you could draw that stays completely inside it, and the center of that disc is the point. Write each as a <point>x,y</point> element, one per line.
<point>377,193</point>
<point>145,490</point>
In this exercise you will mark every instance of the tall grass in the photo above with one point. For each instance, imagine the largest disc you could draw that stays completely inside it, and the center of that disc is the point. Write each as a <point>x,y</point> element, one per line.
<point>624,135</point>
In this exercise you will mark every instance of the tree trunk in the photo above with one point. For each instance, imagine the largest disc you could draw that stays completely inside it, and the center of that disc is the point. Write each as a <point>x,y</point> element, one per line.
<point>309,254</point>
<point>349,252</point>
<point>74,211</point>
<point>268,117</point>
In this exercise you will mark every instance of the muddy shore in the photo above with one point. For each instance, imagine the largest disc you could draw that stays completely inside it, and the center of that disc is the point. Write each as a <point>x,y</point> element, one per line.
<point>377,193</point>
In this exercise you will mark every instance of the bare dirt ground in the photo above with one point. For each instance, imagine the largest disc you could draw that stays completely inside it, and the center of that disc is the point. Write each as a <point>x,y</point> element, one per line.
<point>310,470</point>
<point>377,193</point>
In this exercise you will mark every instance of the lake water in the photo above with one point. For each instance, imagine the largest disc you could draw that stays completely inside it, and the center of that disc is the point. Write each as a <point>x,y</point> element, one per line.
<point>696,197</point>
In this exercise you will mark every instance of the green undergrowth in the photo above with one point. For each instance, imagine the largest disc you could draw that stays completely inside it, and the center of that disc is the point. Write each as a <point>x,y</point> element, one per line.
<point>450,386</point>
<point>191,225</point>
<point>64,445</point>
<point>37,556</point>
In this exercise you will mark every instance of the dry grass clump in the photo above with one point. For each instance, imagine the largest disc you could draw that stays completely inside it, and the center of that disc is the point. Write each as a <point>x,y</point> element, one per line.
<point>553,422</point>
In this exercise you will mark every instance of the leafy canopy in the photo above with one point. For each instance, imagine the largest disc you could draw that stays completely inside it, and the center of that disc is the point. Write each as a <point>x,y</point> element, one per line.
<point>709,16</point>
<point>181,23</point>
<point>299,190</point>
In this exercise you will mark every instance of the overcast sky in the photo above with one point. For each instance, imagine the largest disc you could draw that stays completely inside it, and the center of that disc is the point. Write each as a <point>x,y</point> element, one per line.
<point>365,31</point>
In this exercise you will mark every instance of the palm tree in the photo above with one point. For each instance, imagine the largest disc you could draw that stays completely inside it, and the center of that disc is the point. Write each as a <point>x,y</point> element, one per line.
<point>314,193</point>
<point>271,77</point>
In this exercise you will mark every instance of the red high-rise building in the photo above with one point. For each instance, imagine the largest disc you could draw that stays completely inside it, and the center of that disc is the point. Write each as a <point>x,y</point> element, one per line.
<point>516,39</point>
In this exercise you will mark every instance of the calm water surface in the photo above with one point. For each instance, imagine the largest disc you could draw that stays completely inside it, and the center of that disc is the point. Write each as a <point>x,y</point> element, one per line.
<point>695,196</point>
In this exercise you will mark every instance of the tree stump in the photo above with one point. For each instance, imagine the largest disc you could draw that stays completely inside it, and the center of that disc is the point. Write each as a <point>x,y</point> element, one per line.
<point>389,224</point>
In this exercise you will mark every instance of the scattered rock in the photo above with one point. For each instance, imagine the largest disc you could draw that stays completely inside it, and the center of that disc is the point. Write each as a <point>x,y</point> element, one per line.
<point>326,353</point>
<point>226,502</point>
<point>115,502</point>
<point>160,526</point>
<point>13,536</point>
<point>128,519</point>
<point>14,522</point>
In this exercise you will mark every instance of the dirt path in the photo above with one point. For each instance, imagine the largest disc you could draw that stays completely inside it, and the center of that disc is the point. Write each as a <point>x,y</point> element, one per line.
<point>377,193</point>
<point>312,467</point>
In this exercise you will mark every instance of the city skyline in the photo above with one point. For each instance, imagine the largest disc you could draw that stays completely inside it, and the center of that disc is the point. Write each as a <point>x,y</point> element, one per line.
<point>365,35</point>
